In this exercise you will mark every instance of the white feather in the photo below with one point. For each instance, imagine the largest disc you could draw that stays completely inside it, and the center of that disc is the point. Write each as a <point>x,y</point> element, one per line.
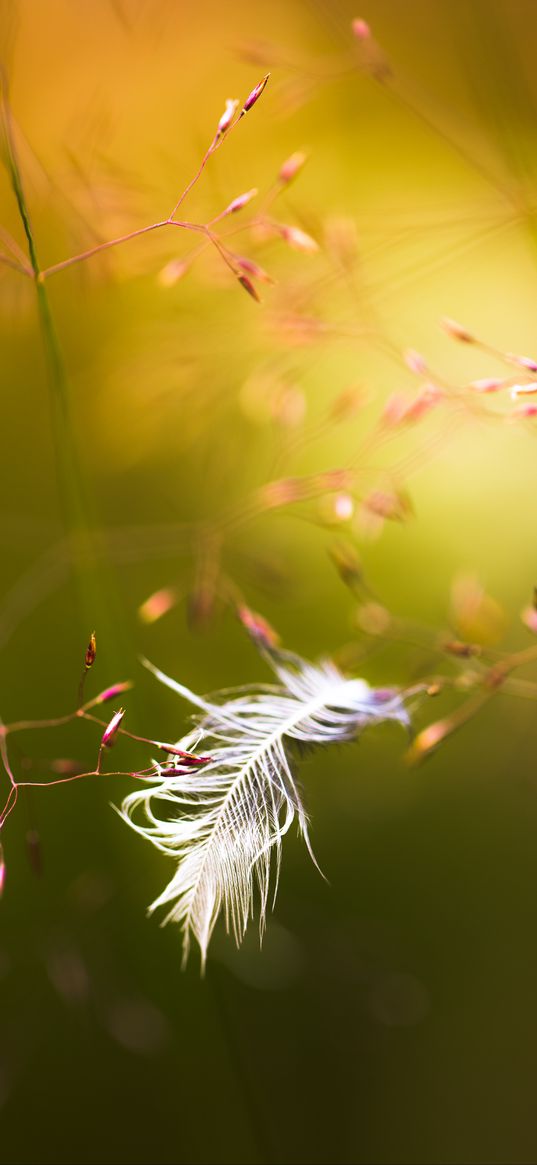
<point>225,820</point>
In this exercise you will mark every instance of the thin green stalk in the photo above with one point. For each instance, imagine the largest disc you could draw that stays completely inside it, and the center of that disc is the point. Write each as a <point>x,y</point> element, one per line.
<point>84,551</point>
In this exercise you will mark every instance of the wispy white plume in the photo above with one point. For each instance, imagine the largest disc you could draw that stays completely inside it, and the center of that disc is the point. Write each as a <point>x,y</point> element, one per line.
<point>224,820</point>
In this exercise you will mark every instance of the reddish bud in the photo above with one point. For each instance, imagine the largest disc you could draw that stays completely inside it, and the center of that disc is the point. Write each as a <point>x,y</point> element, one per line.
<point>228,115</point>
<point>2,870</point>
<point>522,361</point>
<point>254,95</point>
<point>172,272</point>
<point>347,564</point>
<point>529,618</point>
<point>291,167</point>
<point>529,410</point>
<point>428,740</point>
<point>111,693</point>
<point>240,201</point>
<point>298,239</point>
<point>65,766</point>
<point>91,652</point>
<point>460,649</point>
<point>187,758</point>
<point>157,605</point>
<point>487,384</point>
<point>457,331</point>
<point>253,269</point>
<point>361,29</point>
<point>415,361</point>
<point>258,627</point>
<point>112,728</point>
<point>249,287</point>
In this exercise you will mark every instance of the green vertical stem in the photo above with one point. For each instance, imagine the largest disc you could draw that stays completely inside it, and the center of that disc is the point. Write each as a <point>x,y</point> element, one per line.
<point>84,551</point>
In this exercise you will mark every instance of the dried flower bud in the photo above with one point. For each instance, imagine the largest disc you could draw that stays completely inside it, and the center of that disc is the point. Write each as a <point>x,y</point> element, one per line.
<point>460,649</point>
<point>486,384</point>
<point>373,618</point>
<point>347,564</point>
<point>415,361</point>
<point>283,492</point>
<point>258,627</point>
<point>157,605</point>
<point>254,95</point>
<point>529,410</point>
<point>457,331</point>
<point>347,404</point>
<point>188,759</point>
<point>291,167</point>
<point>529,618</point>
<point>65,766</point>
<point>428,740</point>
<point>240,201</point>
<point>111,693</point>
<point>172,272</point>
<point>298,239</point>
<point>249,287</point>
<point>474,615</point>
<point>254,269</point>
<point>361,29</point>
<point>232,105</point>
<point>91,652</point>
<point>522,361</point>
<point>111,730</point>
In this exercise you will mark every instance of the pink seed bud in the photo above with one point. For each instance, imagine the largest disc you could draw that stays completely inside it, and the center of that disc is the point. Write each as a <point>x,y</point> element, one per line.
<point>395,409</point>
<point>249,287</point>
<point>427,740</point>
<point>254,95</point>
<point>298,239</point>
<point>487,384</point>
<point>529,618</point>
<point>522,361</point>
<point>172,272</point>
<point>253,269</point>
<point>291,167</point>
<point>112,729</point>
<point>415,361</point>
<point>361,29</point>
<point>227,117</point>
<point>457,331</point>
<point>240,201</point>
<point>111,693</point>
<point>529,410</point>
<point>425,400</point>
<point>2,870</point>
<point>258,627</point>
<point>157,605</point>
<point>187,758</point>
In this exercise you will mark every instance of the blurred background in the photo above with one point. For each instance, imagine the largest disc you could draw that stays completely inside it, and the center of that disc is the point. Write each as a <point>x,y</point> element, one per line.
<point>392,1013</point>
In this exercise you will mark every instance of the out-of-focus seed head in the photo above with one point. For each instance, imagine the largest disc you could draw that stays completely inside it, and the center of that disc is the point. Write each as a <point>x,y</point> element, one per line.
<point>457,331</point>
<point>291,167</point>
